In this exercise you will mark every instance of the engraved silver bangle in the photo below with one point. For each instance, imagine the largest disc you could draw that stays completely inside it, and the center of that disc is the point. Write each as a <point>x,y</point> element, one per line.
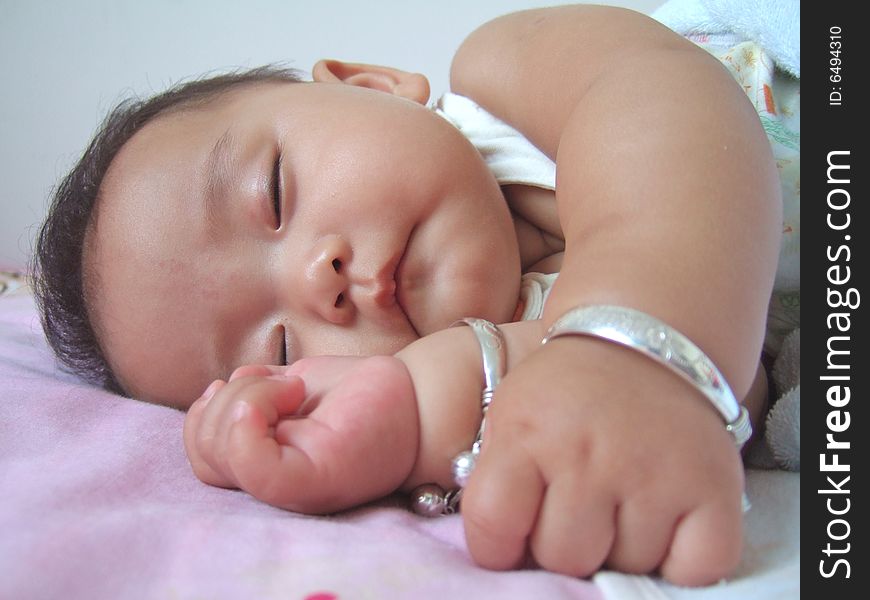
<point>664,344</point>
<point>492,347</point>
<point>429,499</point>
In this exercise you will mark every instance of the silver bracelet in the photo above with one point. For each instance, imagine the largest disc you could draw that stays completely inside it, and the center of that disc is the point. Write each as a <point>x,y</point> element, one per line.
<point>429,499</point>
<point>664,344</point>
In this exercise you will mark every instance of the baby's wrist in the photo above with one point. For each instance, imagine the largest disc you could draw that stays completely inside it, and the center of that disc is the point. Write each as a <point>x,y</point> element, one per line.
<point>662,344</point>
<point>448,376</point>
<point>444,371</point>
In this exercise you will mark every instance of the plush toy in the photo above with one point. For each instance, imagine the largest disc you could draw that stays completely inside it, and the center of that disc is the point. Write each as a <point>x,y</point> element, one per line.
<point>783,427</point>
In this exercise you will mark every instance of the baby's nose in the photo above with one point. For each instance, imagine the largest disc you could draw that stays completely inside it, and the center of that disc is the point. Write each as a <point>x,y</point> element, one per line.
<point>325,283</point>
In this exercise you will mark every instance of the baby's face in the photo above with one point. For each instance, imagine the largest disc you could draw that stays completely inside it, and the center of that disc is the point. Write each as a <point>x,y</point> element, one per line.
<point>291,220</point>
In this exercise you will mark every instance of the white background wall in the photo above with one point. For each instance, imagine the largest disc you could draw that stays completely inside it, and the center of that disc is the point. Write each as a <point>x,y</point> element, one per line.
<point>65,63</point>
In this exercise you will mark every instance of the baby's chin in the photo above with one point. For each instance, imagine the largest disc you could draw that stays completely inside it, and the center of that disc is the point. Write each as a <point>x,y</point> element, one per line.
<point>428,315</point>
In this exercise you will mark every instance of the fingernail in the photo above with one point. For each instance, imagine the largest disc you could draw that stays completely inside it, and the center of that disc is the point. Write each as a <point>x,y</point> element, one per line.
<point>211,390</point>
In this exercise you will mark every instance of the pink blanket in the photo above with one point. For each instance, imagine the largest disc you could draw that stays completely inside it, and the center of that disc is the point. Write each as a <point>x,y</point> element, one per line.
<point>98,501</point>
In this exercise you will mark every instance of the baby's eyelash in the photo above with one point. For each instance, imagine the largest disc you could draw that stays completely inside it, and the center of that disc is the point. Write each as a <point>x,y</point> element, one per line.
<point>282,356</point>
<point>276,190</point>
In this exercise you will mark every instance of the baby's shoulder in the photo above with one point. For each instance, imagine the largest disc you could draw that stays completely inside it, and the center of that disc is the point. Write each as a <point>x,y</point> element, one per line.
<point>531,68</point>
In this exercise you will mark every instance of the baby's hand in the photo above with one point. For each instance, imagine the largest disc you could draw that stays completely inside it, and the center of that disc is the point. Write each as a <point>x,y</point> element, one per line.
<point>321,435</point>
<point>595,455</point>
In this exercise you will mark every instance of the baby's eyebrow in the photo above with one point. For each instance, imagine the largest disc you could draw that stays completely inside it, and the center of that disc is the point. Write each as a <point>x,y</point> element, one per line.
<point>220,173</point>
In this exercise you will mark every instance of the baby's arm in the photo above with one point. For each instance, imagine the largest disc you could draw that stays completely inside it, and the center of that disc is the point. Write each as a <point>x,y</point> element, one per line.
<point>667,193</point>
<point>447,372</point>
<point>668,202</point>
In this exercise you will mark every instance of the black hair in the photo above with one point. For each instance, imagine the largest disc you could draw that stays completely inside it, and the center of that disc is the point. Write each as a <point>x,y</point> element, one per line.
<point>57,262</point>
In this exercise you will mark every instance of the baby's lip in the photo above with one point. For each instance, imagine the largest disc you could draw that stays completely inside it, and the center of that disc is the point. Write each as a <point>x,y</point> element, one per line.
<point>385,285</point>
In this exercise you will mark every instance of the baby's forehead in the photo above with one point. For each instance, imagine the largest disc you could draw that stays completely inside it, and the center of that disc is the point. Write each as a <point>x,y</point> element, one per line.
<point>154,180</point>
<point>238,97</point>
<point>201,119</point>
<point>165,161</point>
<point>179,135</point>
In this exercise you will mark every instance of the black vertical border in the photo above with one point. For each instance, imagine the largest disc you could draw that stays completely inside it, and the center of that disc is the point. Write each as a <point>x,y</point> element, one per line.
<point>831,124</point>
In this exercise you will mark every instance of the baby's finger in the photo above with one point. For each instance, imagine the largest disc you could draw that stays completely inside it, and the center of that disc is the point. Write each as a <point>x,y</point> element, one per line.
<point>575,527</point>
<point>278,474</point>
<point>274,397</point>
<point>256,371</point>
<point>209,438</point>
<point>193,422</point>
<point>644,528</point>
<point>323,373</point>
<point>706,545</point>
<point>500,506</point>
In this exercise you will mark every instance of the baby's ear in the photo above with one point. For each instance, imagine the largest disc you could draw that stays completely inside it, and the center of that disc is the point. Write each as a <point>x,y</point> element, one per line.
<point>412,86</point>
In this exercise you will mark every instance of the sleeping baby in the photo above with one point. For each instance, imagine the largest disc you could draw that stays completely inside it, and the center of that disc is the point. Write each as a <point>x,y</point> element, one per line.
<point>301,249</point>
